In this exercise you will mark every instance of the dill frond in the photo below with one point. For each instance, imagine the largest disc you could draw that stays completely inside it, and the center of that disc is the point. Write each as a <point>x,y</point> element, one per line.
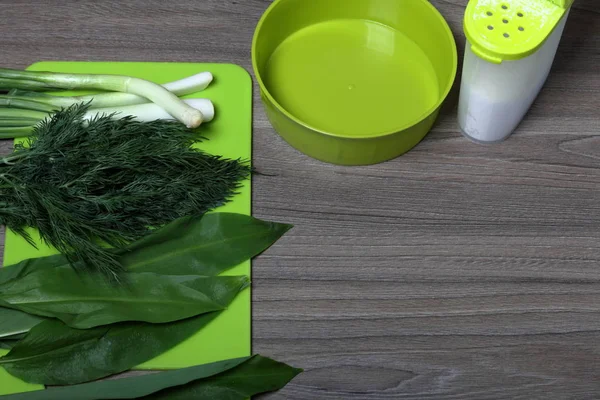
<point>107,181</point>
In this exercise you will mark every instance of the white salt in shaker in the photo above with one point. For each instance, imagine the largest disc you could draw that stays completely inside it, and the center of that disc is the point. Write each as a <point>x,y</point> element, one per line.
<point>511,45</point>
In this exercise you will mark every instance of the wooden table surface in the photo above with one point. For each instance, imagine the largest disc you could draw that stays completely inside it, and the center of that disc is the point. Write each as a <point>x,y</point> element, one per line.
<point>458,271</point>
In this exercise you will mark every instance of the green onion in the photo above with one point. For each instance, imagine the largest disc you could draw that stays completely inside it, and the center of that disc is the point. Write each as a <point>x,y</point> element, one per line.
<point>17,113</point>
<point>182,87</point>
<point>7,84</point>
<point>30,80</point>
<point>19,122</point>
<point>11,119</point>
<point>150,112</point>
<point>25,103</point>
<point>11,133</point>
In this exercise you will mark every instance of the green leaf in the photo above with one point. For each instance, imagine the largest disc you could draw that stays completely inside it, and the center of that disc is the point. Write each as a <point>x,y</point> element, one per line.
<point>82,302</point>
<point>6,344</point>
<point>134,387</point>
<point>206,245</point>
<point>54,354</point>
<point>25,267</point>
<point>15,337</point>
<point>13,322</point>
<point>255,376</point>
<point>224,380</point>
<point>202,246</point>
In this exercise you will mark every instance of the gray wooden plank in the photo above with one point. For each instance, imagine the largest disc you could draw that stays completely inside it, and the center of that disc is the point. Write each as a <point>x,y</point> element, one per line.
<point>457,271</point>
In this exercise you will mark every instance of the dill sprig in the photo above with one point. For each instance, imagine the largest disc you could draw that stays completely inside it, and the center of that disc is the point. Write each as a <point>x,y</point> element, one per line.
<point>85,185</point>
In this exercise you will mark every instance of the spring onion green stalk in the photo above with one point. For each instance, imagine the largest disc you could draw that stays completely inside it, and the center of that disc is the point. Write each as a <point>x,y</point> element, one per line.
<point>150,112</point>
<point>13,118</point>
<point>182,87</point>
<point>25,103</point>
<point>17,113</point>
<point>19,79</point>
<point>17,122</point>
<point>11,133</point>
<point>7,84</point>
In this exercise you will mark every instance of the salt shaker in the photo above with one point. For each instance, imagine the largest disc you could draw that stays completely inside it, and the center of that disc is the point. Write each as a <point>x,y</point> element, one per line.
<point>511,45</point>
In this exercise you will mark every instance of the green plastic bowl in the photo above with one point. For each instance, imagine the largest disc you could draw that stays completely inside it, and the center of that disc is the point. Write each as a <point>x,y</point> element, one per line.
<point>353,82</point>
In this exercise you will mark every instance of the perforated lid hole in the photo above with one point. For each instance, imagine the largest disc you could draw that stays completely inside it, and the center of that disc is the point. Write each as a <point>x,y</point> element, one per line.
<point>506,35</point>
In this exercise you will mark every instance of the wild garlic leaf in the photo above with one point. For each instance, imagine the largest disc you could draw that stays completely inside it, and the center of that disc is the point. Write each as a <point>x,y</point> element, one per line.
<point>203,246</point>
<point>55,354</point>
<point>21,269</point>
<point>14,322</point>
<point>82,302</point>
<point>255,376</point>
<point>232,379</point>
<point>7,344</point>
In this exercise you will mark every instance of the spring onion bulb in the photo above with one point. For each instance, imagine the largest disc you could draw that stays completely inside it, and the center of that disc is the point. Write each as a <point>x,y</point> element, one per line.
<point>182,87</point>
<point>191,84</point>
<point>150,112</point>
<point>157,94</point>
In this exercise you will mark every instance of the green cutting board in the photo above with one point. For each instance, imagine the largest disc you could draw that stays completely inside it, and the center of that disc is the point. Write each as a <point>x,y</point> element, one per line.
<point>230,135</point>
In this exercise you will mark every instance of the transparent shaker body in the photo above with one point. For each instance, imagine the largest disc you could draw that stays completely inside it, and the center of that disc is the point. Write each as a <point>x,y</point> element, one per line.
<point>494,98</point>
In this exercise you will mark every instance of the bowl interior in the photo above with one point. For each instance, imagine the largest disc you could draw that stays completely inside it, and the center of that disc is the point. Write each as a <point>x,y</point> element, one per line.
<point>354,68</point>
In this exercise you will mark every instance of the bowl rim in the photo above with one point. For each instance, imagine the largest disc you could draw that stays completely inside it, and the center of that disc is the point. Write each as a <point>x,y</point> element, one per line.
<point>400,129</point>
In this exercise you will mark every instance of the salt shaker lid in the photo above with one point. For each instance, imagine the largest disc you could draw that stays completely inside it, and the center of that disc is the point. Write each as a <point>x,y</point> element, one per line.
<point>501,30</point>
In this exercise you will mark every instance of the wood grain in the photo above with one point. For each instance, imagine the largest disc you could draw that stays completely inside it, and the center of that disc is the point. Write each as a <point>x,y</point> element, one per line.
<point>458,271</point>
